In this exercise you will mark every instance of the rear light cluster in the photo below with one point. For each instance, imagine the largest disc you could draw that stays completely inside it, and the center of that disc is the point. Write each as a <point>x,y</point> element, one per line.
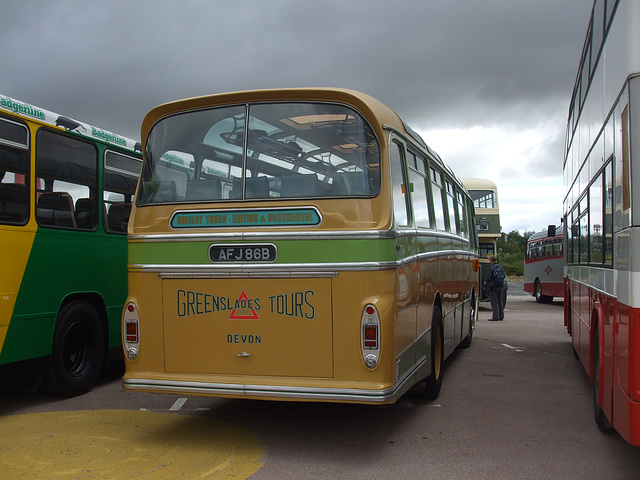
<point>131,331</point>
<point>370,336</point>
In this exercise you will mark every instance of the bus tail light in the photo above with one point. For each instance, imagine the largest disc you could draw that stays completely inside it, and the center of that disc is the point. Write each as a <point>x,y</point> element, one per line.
<point>370,341</point>
<point>131,331</point>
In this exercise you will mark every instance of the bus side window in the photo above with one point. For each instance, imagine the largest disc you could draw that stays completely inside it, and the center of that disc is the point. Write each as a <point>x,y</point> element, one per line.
<point>463,220</point>
<point>118,182</point>
<point>419,197</point>
<point>14,171</point>
<point>399,185</point>
<point>451,209</point>
<point>438,204</point>
<point>67,172</point>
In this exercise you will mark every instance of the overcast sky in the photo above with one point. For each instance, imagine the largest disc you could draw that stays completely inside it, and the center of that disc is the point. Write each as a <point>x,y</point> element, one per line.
<point>486,82</point>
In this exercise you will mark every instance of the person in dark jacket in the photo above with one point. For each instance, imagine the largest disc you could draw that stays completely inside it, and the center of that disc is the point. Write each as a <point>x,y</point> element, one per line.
<point>495,283</point>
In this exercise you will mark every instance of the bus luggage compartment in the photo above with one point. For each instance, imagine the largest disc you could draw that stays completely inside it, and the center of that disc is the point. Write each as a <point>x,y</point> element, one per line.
<point>275,327</point>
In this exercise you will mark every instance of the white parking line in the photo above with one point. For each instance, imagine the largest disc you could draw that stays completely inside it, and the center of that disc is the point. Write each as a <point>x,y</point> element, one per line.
<point>177,405</point>
<point>517,349</point>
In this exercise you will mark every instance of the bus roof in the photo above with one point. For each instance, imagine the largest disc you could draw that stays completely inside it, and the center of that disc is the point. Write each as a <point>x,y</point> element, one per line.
<point>545,233</point>
<point>367,105</point>
<point>46,117</point>
<point>479,184</point>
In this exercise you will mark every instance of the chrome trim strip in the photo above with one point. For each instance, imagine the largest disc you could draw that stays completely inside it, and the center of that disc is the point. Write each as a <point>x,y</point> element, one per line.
<point>275,391</point>
<point>247,274</point>
<point>308,235</point>
<point>271,235</point>
<point>310,268</point>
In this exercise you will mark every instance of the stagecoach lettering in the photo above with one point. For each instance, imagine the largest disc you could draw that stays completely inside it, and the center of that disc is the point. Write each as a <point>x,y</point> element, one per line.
<point>296,304</point>
<point>238,338</point>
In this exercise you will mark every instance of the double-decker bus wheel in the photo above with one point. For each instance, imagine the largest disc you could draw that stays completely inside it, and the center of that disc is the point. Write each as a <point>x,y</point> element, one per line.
<point>78,351</point>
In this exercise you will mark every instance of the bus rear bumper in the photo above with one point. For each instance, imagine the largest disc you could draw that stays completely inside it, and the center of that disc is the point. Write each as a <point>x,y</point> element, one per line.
<point>271,392</point>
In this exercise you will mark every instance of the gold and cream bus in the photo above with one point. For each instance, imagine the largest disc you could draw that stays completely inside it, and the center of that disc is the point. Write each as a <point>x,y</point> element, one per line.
<point>297,244</point>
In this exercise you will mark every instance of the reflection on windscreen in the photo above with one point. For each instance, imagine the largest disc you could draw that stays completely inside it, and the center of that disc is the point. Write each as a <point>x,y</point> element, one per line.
<point>284,150</point>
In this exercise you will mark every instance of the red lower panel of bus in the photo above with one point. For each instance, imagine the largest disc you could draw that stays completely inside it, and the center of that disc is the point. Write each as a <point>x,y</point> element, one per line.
<point>626,393</point>
<point>550,289</point>
<point>618,329</point>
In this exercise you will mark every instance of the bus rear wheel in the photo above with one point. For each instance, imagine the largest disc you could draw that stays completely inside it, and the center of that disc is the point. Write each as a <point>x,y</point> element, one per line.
<point>78,351</point>
<point>540,298</point>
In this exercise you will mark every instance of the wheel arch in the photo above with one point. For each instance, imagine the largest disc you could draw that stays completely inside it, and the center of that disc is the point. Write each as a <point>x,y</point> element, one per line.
<point>96,301</point>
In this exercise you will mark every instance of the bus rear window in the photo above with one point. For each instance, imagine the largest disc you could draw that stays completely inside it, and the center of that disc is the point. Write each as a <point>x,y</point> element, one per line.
<point>261,152</point>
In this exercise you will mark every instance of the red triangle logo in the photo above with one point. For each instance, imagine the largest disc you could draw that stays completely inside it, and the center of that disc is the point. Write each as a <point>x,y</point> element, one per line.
<point>243,312</point>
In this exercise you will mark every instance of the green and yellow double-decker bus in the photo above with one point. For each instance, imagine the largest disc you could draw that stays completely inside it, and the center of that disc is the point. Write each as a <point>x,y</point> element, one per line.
<point>66,190</point>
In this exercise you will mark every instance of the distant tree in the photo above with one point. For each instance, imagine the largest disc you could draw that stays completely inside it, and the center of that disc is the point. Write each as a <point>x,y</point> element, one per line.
<point>511,248</point>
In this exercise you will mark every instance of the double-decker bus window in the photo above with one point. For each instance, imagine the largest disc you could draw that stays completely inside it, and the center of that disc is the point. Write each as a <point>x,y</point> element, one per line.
<point>595,220</point>
<point>608,213</point>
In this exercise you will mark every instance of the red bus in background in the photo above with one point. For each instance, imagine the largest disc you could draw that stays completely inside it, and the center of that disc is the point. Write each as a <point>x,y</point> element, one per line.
<point>544,265</point>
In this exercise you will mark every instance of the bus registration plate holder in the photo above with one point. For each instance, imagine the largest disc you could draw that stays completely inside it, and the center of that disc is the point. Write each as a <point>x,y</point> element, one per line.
<point>266,252</point>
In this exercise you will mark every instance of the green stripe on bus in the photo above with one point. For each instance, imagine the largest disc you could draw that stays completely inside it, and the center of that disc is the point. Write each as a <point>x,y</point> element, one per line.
<point>289,251</point>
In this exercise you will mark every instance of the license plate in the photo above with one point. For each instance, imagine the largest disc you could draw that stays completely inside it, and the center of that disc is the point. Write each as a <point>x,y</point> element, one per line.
<point>243,253</point>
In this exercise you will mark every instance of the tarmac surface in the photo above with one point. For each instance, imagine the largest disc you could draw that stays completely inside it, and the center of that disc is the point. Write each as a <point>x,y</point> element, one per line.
<point>516,404</point>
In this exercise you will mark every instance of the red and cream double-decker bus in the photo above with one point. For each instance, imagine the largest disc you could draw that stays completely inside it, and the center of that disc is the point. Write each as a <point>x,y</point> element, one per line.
<point>602,214</point>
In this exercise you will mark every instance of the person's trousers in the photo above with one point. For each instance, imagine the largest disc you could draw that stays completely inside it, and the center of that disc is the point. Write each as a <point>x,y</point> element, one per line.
<point>495,297</point>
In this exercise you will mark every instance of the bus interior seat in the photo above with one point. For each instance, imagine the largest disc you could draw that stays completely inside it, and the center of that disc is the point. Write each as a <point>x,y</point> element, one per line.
<point>56,209</point>
<point>257,187</point>
<point>86,213</point>
<point>166,192</point>
<point>118,217</point>
<point>350,183</point>
<point>203,190</point>
<point>13,201</point>
<point>305,185</point>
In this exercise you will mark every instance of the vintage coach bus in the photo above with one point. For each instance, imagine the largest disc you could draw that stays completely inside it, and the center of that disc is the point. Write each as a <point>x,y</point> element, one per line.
<point>295,244</point>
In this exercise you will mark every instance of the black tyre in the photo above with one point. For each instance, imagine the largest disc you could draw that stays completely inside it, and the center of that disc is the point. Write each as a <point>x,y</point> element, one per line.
<point>504,298</point>
<point>540,298</point>
<point>433,382</point>
<point>78,351</point>
<point>600,417</point>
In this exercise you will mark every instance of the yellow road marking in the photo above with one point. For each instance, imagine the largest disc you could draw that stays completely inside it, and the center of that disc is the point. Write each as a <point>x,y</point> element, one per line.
<point>127,444</point>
